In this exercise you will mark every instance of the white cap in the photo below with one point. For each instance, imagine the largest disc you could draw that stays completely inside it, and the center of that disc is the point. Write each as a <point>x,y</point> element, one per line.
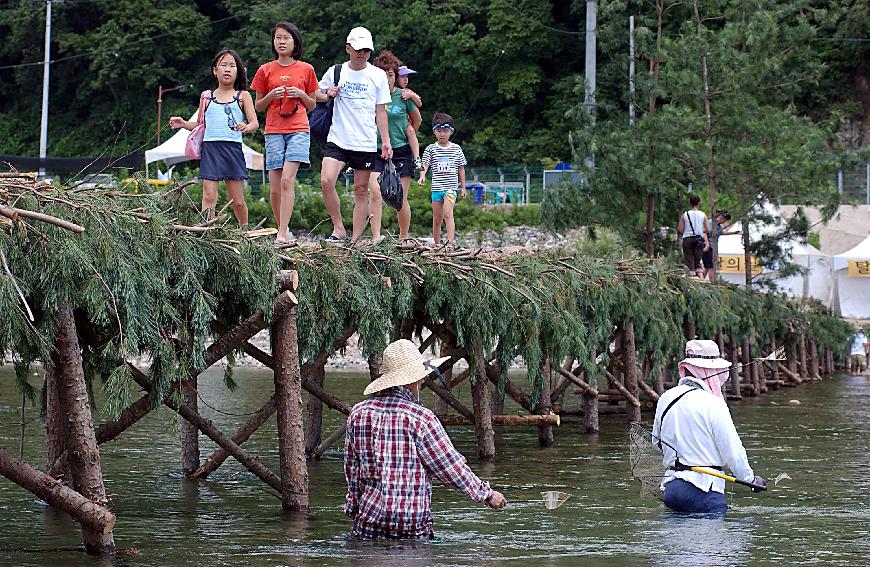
<point>360,38</point>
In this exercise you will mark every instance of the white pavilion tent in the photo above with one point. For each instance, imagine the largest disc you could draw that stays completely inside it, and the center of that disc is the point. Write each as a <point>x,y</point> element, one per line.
<point>852,281</point>
<point>816,282</point>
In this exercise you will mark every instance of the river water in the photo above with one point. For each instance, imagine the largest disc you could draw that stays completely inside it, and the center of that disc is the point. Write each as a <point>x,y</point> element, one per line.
<point>822,516</point>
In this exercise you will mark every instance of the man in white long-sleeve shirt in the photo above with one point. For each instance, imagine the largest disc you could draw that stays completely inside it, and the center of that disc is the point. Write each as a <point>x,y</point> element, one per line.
<point>695,429</point>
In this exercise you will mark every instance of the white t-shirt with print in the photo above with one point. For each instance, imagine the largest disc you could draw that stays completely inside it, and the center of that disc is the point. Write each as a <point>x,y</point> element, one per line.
<point>353,116</point>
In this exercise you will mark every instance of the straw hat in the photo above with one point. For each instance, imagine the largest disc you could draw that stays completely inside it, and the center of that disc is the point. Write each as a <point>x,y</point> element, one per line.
<point>705,354</point>
<point>402,365</point>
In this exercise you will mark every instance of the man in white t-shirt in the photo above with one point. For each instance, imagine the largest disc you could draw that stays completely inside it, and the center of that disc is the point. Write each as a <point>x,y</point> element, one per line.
<point>358,115</point>
<point>858,354</point>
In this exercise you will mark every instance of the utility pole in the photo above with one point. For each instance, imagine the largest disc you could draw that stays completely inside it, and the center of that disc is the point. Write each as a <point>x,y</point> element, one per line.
<point>591,31</point>
<point>631,70</point>
<point>43,128</point>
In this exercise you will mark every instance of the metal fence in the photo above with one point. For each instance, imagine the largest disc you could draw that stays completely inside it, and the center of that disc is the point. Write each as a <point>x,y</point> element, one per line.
<point>854,185</point>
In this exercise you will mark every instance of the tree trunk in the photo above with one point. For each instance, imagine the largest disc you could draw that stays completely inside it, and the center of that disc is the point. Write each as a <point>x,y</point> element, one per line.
<point>83,455</point>
<point>510,389</point>
<point>91,516</point>
<point>629,363</point>
<point>482,411</point>
<point>735,364</point>
<point>188,433</point>
<point>688,328</point>
<point>314,413</point>
<point>814,360</point>
<point>802,356</point>
<point>497,403</point>
<point>774,367</point>
<point>508,420</point>
<point>747,257</point>
<point>56,428</point>
<point>545,431</point>
<point>288,396</point>
<point>708,125</point>
<point>747,369</point>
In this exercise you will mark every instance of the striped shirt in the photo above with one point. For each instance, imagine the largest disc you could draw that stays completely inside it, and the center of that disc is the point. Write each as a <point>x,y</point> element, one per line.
<point>444,163</point>
<point>392,449</point>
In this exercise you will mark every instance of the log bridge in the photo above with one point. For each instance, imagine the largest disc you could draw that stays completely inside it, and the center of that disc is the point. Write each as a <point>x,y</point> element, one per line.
<point>599,338</point>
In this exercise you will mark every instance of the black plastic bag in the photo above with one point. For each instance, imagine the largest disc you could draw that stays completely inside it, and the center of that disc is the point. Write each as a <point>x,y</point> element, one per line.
<point>391,186</point>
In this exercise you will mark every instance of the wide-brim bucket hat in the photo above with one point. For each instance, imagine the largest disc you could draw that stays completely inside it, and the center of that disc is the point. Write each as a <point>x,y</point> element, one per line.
<point>402,364</point>
<point>705,354</point>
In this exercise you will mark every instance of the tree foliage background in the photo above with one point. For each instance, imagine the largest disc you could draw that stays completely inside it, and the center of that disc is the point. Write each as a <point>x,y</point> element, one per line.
<point>505,69</point>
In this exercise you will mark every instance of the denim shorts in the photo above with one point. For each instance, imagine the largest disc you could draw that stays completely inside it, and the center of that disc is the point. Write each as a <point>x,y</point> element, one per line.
<point>441,196</point>
<point>283,148</point>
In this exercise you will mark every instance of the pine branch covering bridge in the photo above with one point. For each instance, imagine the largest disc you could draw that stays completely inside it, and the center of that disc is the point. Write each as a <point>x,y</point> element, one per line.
<point>93,279</point>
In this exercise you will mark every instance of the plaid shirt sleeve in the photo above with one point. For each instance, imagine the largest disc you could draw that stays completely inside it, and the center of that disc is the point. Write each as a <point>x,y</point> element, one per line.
<point>351,474</point>
<point>445,463</point>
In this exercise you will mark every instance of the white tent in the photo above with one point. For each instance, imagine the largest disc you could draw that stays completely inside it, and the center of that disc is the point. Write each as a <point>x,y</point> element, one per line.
<point>852,281</point>
<point>172,151</point>
<point>816,282</point>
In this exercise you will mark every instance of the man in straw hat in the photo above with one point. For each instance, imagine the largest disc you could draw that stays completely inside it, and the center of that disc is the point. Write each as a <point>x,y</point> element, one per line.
<point>695,429</point>
<point>394,446</point>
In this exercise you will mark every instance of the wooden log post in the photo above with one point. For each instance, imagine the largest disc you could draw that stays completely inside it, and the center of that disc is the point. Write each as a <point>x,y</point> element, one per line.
<point>814,360</point>
<point>543,407</point>
<point>288,395</point>
<point>735,365</point>
<point>493,373</point>
<point>56,428</point>
<point>759,376</point>
<point>83,455</point>
<point>95,517</point>
<point>802,357</point>
<point>314,412</point>
<point>748,377</point>
<point>440,406</point>
<point>792,359</point>
<point>482,411</point>
<point>187,432</point>
<point>629,363</point>
<point>509,420</point>
<point>497,403</point>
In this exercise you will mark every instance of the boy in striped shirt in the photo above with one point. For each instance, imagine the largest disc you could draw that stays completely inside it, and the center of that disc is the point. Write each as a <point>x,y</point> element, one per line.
<point>448,174</point>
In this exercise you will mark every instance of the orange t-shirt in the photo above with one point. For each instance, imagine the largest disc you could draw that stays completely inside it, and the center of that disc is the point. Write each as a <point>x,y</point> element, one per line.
<point>298,74</point>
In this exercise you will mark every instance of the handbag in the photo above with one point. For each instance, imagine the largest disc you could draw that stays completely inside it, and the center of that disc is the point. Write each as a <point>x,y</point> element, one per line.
<point>320,119</point>
<point>698,240</point>
<point>391,186</point>
<point>193,146</point>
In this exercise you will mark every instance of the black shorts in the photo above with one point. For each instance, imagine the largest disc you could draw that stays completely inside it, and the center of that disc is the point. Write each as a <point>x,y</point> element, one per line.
<point>356,160</point>
<point>707,258</point>
<point>402,159</point>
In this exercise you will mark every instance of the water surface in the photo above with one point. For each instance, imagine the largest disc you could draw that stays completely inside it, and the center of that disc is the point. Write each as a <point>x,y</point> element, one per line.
<point>819,517</point>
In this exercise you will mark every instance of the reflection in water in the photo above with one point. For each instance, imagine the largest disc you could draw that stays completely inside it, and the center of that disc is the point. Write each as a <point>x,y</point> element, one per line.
<point>233,519</point>
<point>693,540</point>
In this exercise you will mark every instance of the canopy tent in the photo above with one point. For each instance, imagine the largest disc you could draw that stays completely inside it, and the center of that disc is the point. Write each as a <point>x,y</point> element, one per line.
<point>852,281</point>
<point>172,151</point>
<point>816,282</point>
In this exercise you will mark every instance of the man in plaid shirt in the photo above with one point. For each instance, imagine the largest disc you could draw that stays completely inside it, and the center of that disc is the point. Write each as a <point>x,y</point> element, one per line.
<point>393,447</point>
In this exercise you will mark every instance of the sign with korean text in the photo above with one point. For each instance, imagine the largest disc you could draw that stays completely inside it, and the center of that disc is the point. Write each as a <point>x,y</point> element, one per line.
<point>859,268</point>
<point>736,264</point>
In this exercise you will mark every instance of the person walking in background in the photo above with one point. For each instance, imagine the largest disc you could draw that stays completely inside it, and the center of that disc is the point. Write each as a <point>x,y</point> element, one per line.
<point>359,115</point>
<point>407,94</point>
<point>394,446</point>
<point>714,231</point>
<point>447,162</point>
<point>694,236</point>
<point>285,90</point>
<point>228,112</point>
<point>858,354</point>
<point>404,121</point>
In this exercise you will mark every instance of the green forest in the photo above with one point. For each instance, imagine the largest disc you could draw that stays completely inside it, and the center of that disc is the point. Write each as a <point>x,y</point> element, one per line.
<point>509,71</point>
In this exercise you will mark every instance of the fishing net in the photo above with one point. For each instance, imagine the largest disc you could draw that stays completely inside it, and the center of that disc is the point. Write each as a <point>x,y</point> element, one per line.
<point>646,461</point>
<point>553,499</point>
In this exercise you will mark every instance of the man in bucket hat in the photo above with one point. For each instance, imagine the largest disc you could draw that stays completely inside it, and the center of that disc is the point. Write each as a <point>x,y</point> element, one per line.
<point>695,429</point>
<point>393,448</point>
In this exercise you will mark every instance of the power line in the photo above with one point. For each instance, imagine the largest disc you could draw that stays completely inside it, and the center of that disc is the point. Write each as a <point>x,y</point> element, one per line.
<point>127,44</point>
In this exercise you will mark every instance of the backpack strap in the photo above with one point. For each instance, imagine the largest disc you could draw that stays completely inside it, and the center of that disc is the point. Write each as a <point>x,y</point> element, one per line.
<point>203,96</point>
<point>688,216</point>
<point>336,73</point>
<point>668,408</point>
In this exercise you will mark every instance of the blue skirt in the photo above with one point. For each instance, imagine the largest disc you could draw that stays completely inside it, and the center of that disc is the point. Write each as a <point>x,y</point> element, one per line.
<point>222,160</point>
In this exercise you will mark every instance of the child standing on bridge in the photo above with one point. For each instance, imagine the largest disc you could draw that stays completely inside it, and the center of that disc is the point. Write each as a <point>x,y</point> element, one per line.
<point>224,111</point>
<point>448,173</point>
